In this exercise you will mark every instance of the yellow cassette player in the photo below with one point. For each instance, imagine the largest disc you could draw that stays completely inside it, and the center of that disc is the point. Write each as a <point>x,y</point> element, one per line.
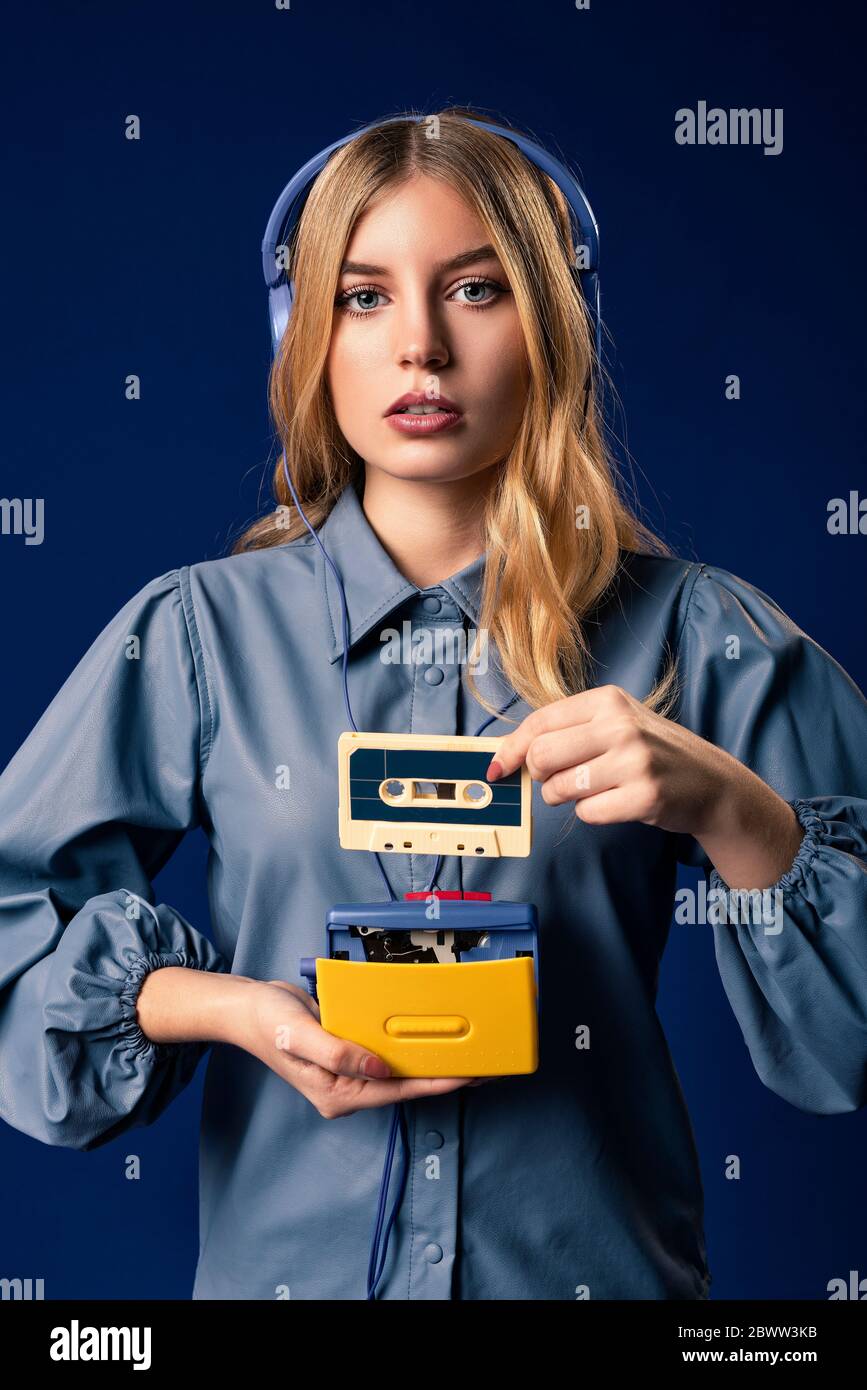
<point>439,984</point>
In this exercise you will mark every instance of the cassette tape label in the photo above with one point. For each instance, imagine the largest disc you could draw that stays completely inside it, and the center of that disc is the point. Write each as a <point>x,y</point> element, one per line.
<point>401,785</point>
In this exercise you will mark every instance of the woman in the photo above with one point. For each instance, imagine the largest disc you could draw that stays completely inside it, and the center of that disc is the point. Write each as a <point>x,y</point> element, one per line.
<point>668,712</point>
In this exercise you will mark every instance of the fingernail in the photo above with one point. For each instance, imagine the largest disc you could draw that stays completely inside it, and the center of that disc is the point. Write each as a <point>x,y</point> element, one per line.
<point>374,1066</point>
<point>494,771</point>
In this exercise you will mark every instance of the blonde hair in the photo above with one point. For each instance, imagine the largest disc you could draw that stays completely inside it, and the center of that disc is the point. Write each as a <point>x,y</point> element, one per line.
<point>543,574</point>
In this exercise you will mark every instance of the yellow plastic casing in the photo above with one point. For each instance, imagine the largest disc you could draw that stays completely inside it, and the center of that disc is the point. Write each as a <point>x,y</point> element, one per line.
<point>472,1019</point>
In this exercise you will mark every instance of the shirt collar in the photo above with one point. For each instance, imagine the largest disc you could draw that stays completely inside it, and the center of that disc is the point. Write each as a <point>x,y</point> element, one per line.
<point>372,583</point>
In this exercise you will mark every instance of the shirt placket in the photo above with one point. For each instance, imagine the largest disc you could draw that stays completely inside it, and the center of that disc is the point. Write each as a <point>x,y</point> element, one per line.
<point>429,1214</point>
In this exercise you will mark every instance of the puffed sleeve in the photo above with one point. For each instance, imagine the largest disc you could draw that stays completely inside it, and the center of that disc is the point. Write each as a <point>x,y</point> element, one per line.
<point>92,805</point>
<point>795,974</point>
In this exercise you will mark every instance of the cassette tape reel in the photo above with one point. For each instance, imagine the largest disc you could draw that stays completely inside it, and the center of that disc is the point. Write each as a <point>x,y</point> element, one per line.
<point>427,794</point>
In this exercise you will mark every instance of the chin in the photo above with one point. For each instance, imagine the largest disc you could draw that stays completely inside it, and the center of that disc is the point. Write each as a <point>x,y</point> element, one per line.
<point>424,466</point>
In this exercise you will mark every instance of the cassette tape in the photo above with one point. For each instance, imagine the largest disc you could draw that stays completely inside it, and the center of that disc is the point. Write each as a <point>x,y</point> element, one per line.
<point>427,794</point>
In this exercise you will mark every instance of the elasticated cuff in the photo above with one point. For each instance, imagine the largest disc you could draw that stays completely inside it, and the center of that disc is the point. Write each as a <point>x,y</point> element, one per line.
<point>793,878</point>
<point>134,1040</point>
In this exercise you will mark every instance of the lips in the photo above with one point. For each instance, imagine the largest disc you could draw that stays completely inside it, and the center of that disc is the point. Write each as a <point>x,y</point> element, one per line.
<point>435,415</point>
<point>432,402</point>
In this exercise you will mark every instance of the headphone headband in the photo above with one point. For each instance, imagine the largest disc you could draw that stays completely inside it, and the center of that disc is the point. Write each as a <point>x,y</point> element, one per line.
<point>281,222</point>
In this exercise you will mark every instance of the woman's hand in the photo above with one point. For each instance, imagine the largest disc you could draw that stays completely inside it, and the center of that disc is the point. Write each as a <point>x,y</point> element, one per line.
<point>619,761</point>
<point>282,1029</point>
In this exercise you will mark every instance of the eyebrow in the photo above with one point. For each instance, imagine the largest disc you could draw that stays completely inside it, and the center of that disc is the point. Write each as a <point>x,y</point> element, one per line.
<point>479,253</point>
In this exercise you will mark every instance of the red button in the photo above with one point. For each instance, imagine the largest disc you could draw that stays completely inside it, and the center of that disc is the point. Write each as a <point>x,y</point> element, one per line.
<point>451,893</point>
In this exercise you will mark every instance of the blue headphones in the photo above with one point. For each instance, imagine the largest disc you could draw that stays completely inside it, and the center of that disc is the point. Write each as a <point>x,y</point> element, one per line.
<point>281,290</point>
<point>280,297</point>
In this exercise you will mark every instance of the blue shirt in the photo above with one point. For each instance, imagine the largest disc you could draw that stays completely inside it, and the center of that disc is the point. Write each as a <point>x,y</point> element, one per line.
<point>584,1173</point>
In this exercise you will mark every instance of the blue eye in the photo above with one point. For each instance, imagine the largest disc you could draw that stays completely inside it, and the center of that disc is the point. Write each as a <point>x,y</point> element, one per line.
<point>356,292</point>
<point>479,284</point>
<point>344,299</point>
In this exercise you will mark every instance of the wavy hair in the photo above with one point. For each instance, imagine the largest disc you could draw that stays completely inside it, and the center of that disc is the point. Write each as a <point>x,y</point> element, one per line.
<point>543,573</point>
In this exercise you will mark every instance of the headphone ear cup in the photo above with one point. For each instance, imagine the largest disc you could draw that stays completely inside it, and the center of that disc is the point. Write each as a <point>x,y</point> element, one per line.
<point>585,287</point>
<point>280,310</point>
<point>587,283</point>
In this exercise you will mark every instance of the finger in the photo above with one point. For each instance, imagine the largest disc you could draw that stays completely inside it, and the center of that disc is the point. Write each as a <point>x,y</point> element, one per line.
<point>574,709</point>
<point>583,781</point>
<point>563,749</point>
<point>403,1088</point>
<point>611,807</point>
<point>306,1039</point>
<point>348,1094</point>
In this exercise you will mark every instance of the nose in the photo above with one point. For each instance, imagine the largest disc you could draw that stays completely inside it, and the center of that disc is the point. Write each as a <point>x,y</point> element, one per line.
<point>420,333</point>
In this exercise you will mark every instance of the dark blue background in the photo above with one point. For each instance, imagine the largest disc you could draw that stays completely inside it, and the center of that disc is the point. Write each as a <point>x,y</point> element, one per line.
<point>144,258</point>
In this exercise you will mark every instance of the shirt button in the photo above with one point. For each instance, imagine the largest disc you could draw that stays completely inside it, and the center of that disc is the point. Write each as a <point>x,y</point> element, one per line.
<point>433,1139</point>
<point>433,1253</point>
<point>431,604</point>
<point>433,675</point>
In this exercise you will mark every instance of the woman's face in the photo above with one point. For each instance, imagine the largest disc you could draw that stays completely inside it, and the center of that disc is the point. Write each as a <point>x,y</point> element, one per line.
<point>408,319</point>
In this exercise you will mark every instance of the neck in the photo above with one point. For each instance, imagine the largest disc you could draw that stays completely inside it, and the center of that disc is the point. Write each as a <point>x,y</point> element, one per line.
<point>430,529</point>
